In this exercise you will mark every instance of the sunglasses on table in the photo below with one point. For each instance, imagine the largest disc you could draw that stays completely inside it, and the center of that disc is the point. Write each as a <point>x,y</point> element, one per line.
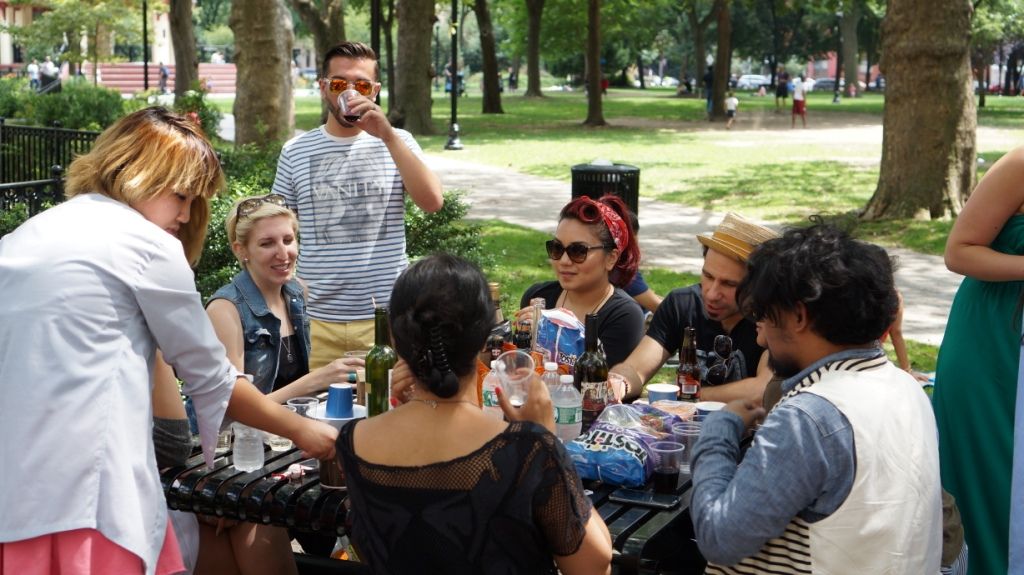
<point>578,251</point>
<point>250,205</point>
<point>338,85</point>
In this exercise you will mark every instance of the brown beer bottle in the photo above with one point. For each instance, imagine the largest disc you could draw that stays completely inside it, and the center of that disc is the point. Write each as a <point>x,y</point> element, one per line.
<point>688,372</point>
<point>591,373</point>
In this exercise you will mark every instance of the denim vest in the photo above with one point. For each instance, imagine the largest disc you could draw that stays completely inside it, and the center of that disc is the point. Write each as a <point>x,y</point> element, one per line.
<point>261,330</point>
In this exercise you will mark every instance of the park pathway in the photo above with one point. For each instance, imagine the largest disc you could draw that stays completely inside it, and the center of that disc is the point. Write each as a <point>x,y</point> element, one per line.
<point>667,233</point>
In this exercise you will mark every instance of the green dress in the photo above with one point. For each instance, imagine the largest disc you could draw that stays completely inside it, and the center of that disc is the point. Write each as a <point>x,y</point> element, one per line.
<point>976,388</point>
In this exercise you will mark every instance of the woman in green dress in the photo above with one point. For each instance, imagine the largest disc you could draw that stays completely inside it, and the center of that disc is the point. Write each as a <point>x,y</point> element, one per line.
<point>978,404</point>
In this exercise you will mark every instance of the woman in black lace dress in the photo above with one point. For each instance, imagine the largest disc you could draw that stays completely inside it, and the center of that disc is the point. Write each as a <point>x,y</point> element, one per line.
<point>437,486</point>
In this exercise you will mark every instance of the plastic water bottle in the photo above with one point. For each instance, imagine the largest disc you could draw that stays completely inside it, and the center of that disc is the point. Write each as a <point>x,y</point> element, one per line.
<point>568,404</point>
<point>551,377</point>
<point>491,405</point>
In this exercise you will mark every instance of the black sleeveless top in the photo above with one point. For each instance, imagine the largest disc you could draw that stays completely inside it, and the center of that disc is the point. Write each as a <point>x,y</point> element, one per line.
<point>507,507</point>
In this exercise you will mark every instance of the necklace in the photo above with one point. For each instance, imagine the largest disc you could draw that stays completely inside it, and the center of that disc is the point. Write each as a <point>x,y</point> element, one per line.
<point>433,402</point>
<point>288,349</point>
<point>607,295</point>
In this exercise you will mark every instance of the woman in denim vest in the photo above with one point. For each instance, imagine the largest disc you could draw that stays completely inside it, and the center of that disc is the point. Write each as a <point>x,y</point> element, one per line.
<point>260,317</point>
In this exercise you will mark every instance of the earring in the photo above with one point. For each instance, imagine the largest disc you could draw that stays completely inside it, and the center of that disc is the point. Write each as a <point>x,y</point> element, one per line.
<point>245,260</point>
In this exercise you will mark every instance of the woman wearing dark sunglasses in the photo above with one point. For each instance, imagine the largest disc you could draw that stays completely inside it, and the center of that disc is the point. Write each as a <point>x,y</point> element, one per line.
<point>594,254</point>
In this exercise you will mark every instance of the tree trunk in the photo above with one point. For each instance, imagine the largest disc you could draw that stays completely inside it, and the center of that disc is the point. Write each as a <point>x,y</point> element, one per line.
<point>327,25</point>
<point>492,93</point>
<point>534,10</point>
<point>389,41</point>
<point>851,63</point>
<point>263,49</point>
<point>928,142</point>
<point>415,21</point>
<point>722,59</point>
<point>595,112</point>
<point>183,40</point>
<point>699,26</point>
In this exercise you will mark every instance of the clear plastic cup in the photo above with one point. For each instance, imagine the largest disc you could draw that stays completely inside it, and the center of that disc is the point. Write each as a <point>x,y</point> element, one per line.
<point>514,369</point>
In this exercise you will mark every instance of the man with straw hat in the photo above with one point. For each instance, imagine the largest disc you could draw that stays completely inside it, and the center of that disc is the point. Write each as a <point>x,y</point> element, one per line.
<point>710,307</point>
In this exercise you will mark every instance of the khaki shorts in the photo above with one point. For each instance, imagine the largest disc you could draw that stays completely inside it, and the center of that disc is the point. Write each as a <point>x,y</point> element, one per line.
<point>329,341</point>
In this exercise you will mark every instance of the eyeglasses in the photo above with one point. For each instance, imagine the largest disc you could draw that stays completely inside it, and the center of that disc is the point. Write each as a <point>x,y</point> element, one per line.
<point>578,251</point>
<point>248,206</point>
<point>338,85</point>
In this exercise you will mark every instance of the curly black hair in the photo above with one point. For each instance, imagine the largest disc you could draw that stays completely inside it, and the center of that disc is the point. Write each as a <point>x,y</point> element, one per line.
<point>845,284</point>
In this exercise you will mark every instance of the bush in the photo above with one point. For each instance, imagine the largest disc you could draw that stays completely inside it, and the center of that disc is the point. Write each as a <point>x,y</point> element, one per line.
<point>13,94</point>
<point>78,106</point>
<point>12,218</point>
<point>444,231</point>
<point>194,102</point>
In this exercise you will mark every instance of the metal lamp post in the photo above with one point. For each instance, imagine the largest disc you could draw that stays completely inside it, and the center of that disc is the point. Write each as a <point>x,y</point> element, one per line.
<point>453,128</point>
<point>437,54</point>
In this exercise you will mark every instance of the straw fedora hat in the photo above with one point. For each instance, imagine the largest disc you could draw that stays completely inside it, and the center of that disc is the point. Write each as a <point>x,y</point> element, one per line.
<point>736,237</point>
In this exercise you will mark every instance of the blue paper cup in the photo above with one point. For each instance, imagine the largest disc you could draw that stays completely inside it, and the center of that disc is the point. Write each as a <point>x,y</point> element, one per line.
<point>339,400</point>
<point>662,391</point>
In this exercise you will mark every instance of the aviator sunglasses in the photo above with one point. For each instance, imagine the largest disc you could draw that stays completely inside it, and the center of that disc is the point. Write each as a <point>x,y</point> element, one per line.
<point>578,251</point>
<point>250,205</point>
<point>338,85</point>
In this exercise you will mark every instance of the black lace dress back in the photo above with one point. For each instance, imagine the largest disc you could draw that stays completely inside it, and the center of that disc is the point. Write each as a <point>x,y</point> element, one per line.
<point>505,508</point>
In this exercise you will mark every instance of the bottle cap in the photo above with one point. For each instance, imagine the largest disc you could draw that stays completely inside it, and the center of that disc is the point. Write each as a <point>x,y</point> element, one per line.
<point>494,364</point>
<point>566,378</point>
<point>550,366</point>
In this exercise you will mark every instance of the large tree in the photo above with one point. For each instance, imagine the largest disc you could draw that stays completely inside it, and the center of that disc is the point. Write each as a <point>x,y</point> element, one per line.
<point>852,10</point>
<point>534,11</point>
<point>415,21</point>
<point>595,112</point>
<point>492,93</point>
<point>723,58</point>
<point>928,142</point>
<point>698,27</point>
<point>325,20</point>
<point>263,56</point>
<point>183,40</point>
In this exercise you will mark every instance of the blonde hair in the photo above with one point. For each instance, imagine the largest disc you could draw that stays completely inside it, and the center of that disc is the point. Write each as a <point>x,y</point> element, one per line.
<point>238,229</point>
<point>148,153</point>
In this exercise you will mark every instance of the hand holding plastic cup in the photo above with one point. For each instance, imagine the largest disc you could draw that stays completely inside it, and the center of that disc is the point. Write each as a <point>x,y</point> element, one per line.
<point>514,369</point>
<point>344,104</point>
<point>305,406</point>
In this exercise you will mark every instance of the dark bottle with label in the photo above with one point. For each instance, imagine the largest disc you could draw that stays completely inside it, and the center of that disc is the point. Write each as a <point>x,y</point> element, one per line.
<point>591,374</point>
<point>379,361</point>
<point>495,341</point>
<point>522,338</point>
<point>688,373</point>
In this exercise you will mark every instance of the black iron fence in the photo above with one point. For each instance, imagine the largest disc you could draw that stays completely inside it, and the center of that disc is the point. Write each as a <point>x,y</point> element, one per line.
<point>35,195</point>
<point>29,153</point>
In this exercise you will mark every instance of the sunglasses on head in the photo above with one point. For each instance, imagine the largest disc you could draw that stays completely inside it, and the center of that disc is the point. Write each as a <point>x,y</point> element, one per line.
<point>578,251</point>
<point>338,85</point>
<point>250,205</point>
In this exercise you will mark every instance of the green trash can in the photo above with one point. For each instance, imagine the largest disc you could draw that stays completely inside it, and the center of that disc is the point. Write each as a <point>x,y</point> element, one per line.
<point>596,180</point>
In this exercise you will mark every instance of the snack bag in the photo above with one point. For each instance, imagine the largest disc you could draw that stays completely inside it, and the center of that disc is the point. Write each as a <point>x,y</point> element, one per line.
<point>559,338</point>
<point>616,448</point>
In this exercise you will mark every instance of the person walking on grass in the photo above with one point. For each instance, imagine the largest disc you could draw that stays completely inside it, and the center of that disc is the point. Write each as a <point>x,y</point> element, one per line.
<point>799,101</point>
<point>731,103</point>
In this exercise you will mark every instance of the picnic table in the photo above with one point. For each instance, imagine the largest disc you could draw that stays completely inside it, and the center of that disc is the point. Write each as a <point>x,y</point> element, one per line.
<point>645,540</point>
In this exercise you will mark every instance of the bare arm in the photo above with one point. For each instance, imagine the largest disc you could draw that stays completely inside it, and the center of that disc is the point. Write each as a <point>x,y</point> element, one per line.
<point>228,326</point>
<point>423,185</point>
<point>649,300</point>
<point>167,403</point>
<point>998,196</point>
<point>751,388</point>
<point>595,552</point>
<point>641,365</point>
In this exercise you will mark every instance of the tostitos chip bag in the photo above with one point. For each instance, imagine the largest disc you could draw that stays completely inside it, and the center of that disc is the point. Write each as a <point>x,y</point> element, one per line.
<point>559,338</point>
<point>616,449</point>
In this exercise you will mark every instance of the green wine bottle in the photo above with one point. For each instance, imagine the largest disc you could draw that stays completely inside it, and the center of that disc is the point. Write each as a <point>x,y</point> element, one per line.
<point>379,361</point>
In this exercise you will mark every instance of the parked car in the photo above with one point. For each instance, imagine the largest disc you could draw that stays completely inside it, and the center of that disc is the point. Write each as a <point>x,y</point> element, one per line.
<point>752,82</point>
